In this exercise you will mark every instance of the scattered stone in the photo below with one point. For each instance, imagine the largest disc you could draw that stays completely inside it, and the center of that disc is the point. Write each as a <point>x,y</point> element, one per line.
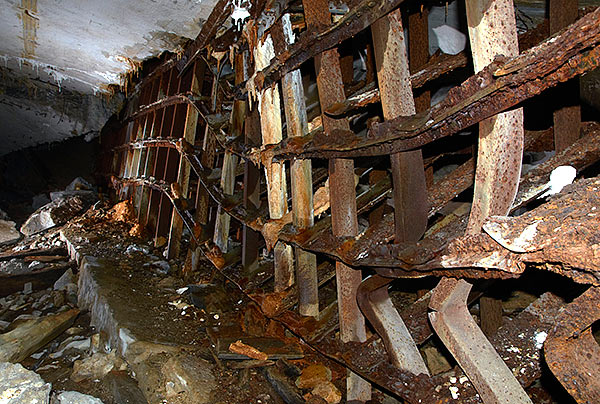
<point>3,325</point>
<point>137,230</point>
<point>19,385</point>
<point>160,242</point>
<point>74,397</point>
<point>64,280</point>
<point>27,288</point>
<point>160,267</point>
<point>313,375</point>
<point>15,266</point>
<point>71,292</point>
<point>96,366</point>
<point>39,200</point>
<point>436,362</point>
<point>58,298</point>
<point>8,232</point>
<point>74,330</point>
<point>71,343</point>
<point>168,283</point>
<point>210,297</point>
<point>328,391</point>
<point>124,389</point>
<point>53,214</point>
<point>133,248</point>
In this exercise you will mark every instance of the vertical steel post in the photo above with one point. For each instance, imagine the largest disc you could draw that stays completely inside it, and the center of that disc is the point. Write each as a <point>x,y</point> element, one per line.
<point>342,193</point>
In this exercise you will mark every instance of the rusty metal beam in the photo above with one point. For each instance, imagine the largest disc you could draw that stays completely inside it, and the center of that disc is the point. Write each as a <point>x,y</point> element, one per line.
<point>571,350</point>
<point>454,325</point>
<point>220,11</point>
<point>503,84</point>
<point>342,193</point>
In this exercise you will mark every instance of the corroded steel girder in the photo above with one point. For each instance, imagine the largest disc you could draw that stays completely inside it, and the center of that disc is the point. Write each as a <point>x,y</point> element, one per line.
<point>498,87</point>
<point>571,350</point>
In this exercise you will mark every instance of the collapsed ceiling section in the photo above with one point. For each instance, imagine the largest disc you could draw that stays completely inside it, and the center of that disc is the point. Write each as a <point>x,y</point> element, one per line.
<point>64,54</point>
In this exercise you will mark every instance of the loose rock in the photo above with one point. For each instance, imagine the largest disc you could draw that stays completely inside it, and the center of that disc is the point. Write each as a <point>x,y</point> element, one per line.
<point>8,232</point>
<point>96,366</point>
<point>19,385</point>
<point>312,376</point>
<point>74,397</point>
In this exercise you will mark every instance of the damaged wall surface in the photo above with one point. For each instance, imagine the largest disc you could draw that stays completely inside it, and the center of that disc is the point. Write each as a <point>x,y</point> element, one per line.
<point>80,48</point>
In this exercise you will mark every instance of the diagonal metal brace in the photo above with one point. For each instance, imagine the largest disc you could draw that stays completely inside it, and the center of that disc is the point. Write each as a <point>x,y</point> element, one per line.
<point>375,303</point>
<point>454,325</point>
<point>571,351</point>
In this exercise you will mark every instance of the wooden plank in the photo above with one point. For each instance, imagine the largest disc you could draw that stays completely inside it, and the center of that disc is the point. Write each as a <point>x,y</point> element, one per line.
<point>302,184</point>
<point>270,122</point>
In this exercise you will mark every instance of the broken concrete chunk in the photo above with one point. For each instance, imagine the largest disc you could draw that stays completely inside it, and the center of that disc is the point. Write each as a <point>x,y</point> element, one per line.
<point>8,232</point>
<point>312,376</point>
<point>31,335</point>
<point>64,280</point>
<point>74,397</point>
<point>96,366</point>
<point>55,213</point>
<point>19,385</point>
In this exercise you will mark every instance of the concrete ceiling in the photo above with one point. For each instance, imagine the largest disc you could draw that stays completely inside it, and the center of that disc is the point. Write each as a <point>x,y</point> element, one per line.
<point>56,55</point>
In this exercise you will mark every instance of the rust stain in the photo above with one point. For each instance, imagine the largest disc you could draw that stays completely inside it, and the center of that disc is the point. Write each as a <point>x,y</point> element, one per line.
<point>31,23</point>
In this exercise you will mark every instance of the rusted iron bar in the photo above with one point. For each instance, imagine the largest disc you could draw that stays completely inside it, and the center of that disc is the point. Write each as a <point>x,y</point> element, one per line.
<point>251,195</point>
<point>220,12</point>
<point>184,169</point>
<point>492,32</point>
<point>371,361</point>
<point>580,155</point>
<point>410,192</point>
<point>375,303</point>
<point>418,39</point>
<point>454,325</point>
<point>567,116</point>
<point>164,102</point>
<point>342,193</point>
<point>496,88</point>
<point>313,42</point>
<point>571,350</point>
<point>302,184</point>
<point>230,160</point>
